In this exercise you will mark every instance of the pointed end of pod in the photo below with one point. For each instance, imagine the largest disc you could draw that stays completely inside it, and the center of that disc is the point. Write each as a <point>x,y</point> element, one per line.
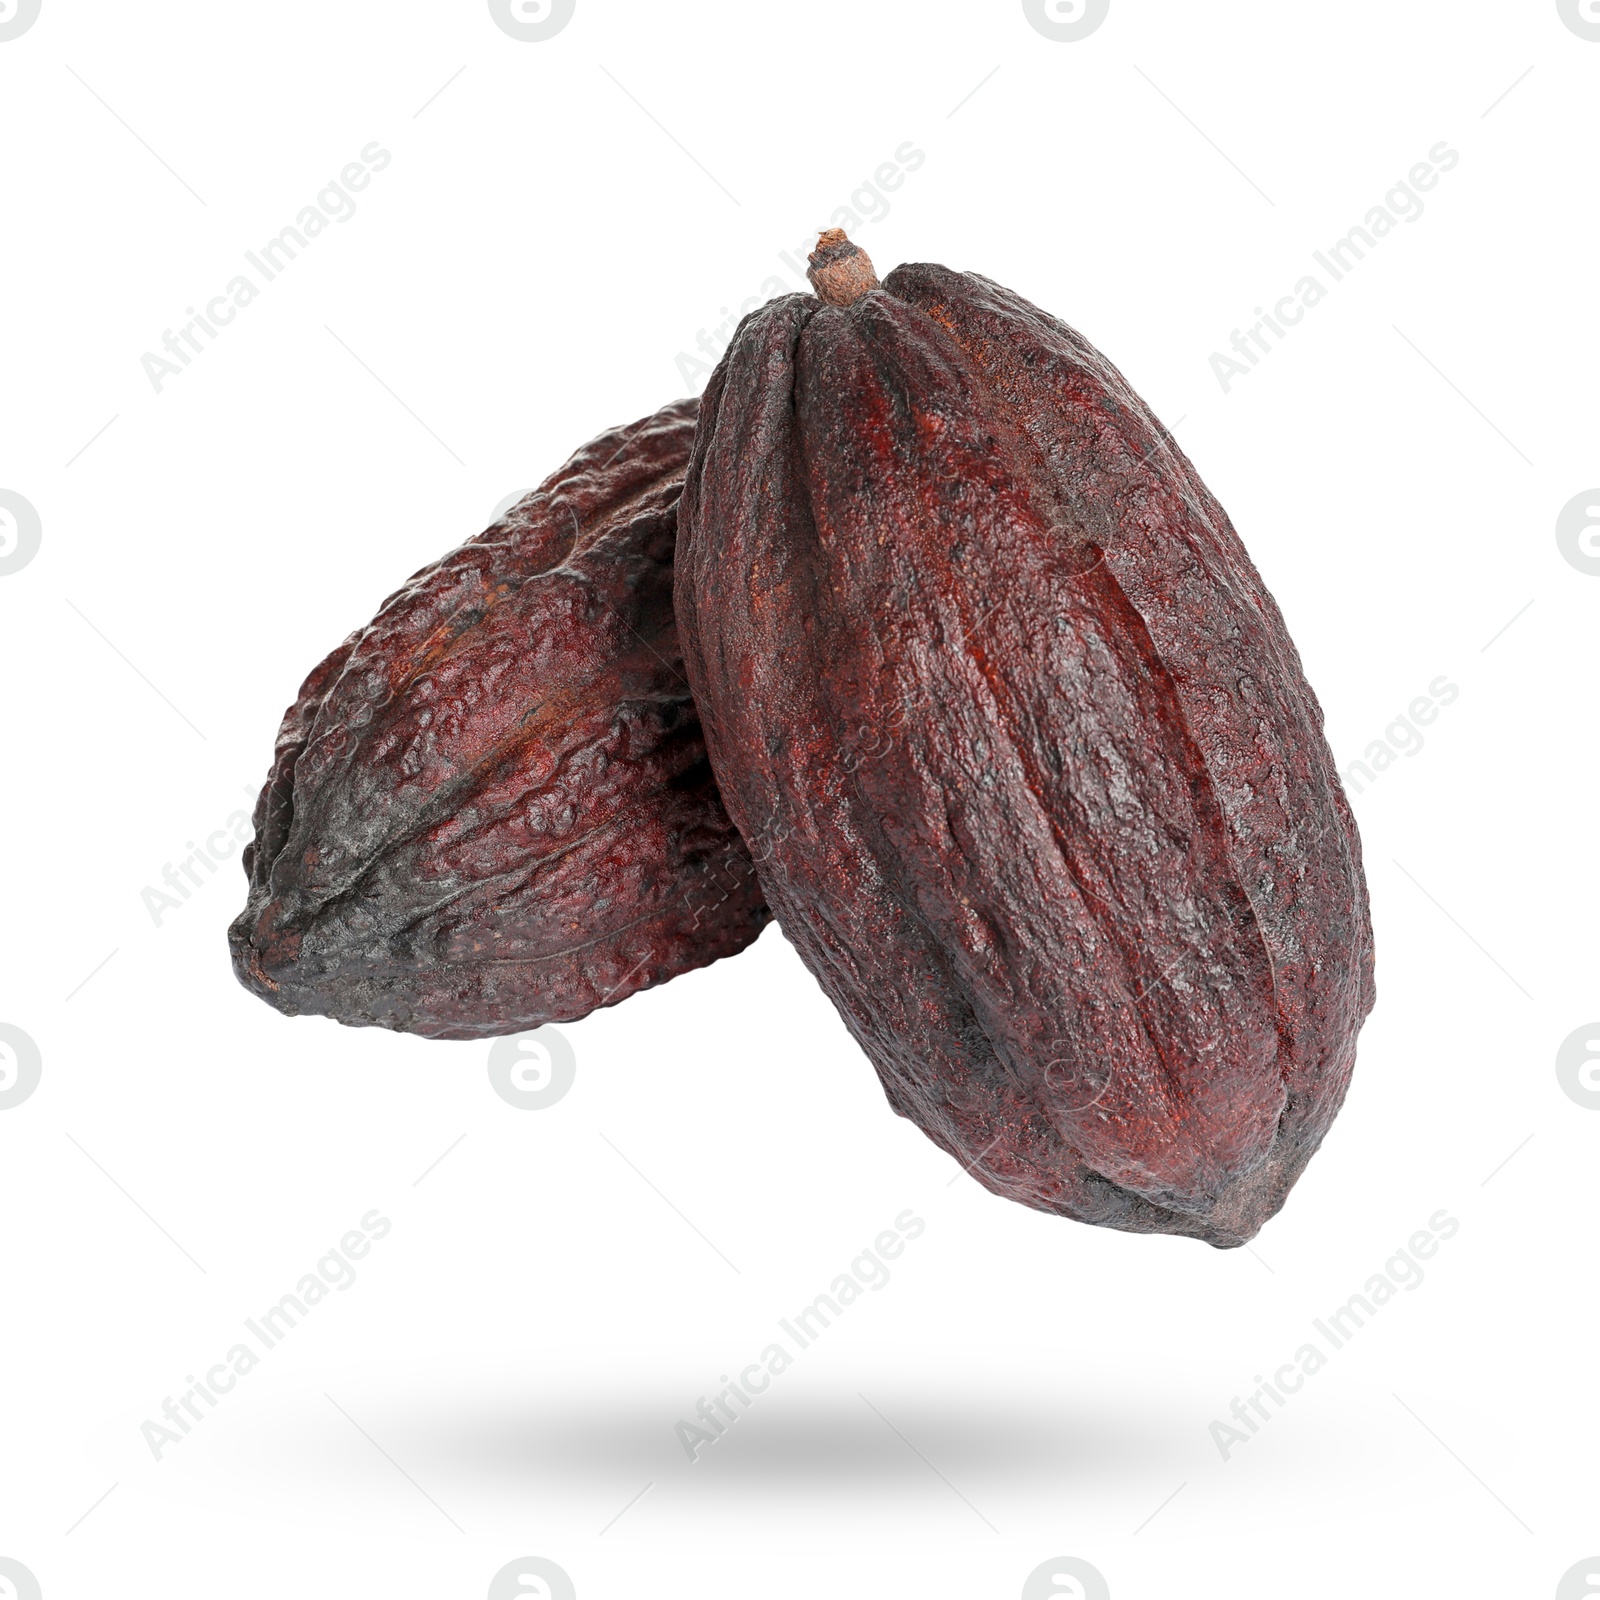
<point>264,962</point>
<point>839,271</point>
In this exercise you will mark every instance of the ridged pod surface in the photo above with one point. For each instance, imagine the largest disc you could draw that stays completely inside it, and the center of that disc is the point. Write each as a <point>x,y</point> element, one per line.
<point>1025,756</point>
<point>491,807</point>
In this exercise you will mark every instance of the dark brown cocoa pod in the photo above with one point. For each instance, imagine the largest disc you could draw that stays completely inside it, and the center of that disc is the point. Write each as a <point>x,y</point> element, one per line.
<point>1026,759</point>
<point>491,807</point>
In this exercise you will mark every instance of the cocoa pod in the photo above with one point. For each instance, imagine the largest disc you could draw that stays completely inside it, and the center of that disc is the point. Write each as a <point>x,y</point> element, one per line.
<point>1029,768</point>
<point>491,807</point>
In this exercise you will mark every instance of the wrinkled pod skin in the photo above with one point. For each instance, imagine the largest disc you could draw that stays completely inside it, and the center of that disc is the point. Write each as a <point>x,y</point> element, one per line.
<point>1024,754</point>
<point>491,807</point>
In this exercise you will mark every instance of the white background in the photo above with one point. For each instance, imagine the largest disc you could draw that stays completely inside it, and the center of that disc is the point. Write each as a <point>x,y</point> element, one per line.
<point>558,223</point>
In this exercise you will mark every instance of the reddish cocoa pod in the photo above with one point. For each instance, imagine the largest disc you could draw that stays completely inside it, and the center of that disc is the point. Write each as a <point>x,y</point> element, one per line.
<point>1025,756</point>
<point>491,807</point>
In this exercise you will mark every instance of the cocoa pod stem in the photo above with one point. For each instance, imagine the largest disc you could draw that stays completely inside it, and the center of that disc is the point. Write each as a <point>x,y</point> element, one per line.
<point>839,271</point>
